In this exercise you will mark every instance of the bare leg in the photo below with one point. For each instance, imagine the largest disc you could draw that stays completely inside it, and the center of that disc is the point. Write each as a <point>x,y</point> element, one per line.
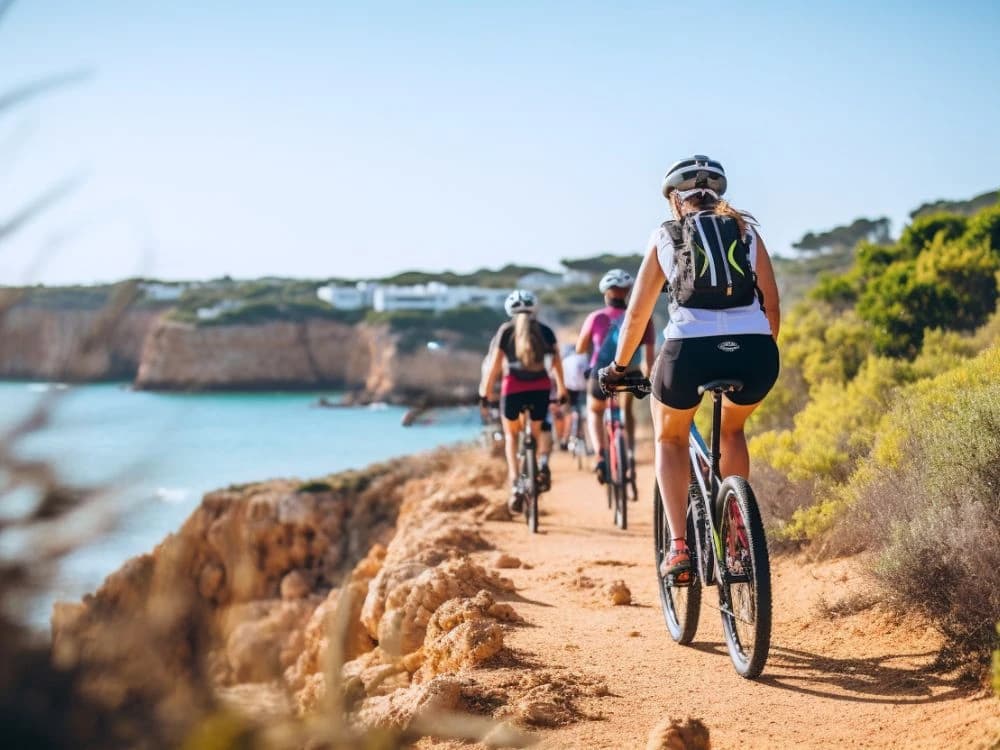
<point>511,431</point>
<point>543,439</point>
<point>627,401</point>
<point>671,428</point>
<point>733,440</point>
<point>595,424</point>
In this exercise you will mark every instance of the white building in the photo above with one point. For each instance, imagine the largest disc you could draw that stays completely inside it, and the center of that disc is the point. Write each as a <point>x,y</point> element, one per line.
<point>162,292</point>
<point>538,281</point>
<point>573,277</point>
<point>433,296</point>
<point>436,297</point>
<point>357,297</point>
<point>210,313</point>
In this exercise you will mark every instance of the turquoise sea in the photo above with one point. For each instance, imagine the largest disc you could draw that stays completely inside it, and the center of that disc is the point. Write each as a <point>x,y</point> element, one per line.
<point>162,451</point>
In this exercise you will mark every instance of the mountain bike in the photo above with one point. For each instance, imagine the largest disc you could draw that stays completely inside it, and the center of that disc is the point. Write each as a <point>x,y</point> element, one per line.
<point>617,462</point>
<point>491,434</point>
<point>526,483</point>
<point>577,443</point>
<point>726,542</point>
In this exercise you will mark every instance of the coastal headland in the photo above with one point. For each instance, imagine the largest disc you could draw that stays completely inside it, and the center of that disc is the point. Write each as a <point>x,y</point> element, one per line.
<point>408,589</point>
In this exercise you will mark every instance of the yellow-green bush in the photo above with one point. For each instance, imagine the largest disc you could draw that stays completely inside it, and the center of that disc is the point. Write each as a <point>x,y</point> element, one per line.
<point>926,502</point>
<point>836,428</point>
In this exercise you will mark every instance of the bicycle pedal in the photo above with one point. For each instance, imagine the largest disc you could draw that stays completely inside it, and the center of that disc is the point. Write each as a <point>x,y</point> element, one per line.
<point>682,581</point>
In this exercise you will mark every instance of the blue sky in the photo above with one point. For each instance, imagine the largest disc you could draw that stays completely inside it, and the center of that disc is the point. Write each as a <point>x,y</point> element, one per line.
<point>324,138</point>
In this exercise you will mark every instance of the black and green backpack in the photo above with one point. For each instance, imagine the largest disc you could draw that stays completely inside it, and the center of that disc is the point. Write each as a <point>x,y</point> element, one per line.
<point>712,268</point>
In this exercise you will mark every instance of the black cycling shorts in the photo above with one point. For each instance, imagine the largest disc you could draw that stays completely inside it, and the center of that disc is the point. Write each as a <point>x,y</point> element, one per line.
<point>511,403</point>
<point>575,398</point>
<point>684,364</point>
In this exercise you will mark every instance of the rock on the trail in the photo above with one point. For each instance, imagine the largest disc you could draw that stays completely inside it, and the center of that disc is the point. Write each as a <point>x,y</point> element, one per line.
<point>618,593</point>
<point>672,734</point>
<point>503,560</point>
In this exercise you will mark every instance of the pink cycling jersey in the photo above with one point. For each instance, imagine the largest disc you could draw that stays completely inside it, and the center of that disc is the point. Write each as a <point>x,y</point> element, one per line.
<point>598,323</point>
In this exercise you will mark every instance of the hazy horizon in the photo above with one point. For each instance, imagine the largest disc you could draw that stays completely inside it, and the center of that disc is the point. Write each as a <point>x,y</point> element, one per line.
<point>318,140</point>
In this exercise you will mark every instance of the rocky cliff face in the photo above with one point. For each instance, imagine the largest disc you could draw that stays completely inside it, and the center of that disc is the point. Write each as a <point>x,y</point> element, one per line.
<point>161,354</point>
<point>306,354</point>
<point>44,343</point>
<point>377,591</point>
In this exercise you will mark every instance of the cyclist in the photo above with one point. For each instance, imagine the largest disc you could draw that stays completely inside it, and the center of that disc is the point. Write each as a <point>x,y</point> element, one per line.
<point>713,333</point>
<point>519,349</point>
<point>575,374</point>
<point>598,336</point>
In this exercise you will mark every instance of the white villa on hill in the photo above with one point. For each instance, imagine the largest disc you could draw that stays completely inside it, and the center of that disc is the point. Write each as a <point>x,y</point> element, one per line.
<point>436,296</point>
<point>388,297</point>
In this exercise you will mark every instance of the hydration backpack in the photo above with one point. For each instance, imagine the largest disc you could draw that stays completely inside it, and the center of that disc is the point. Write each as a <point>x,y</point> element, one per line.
<point>609,347</point>
<point>712,268</point>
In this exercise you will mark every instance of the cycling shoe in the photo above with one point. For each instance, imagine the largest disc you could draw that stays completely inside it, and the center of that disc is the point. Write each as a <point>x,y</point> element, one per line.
<point>544,478</point>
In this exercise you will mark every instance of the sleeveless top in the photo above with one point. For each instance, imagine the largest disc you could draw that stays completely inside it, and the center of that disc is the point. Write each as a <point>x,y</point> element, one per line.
<point>689,323</point>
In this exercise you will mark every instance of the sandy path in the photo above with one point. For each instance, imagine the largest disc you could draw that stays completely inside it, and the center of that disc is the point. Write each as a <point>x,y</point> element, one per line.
<point>858,681</point>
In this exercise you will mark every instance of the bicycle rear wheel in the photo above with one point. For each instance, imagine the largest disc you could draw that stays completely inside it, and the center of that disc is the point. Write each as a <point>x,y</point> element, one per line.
<point>530,474</point>
<point>681,604</point>
<point>620,479</point>
<point>745,588</point>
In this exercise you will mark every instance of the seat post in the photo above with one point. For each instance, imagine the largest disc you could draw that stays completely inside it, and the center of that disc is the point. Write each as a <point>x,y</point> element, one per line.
<point>716,439</point>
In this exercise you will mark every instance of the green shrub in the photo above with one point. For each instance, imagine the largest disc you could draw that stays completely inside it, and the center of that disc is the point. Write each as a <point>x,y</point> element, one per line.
<point>926,501</point>
<point>984,227</point>
<point>950,285</point>
<point>924,230</point>
<point>996,666</point>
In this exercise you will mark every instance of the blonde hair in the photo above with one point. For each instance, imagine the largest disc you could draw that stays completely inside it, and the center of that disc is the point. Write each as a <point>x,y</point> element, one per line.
<point>720,207</point>
<point>528,344</point>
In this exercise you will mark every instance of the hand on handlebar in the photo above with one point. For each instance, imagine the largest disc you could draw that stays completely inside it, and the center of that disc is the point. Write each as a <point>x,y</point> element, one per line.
<point>613,381</point>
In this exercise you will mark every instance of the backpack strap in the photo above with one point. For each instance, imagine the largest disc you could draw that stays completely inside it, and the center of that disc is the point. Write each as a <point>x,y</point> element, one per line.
<point>676,233</point>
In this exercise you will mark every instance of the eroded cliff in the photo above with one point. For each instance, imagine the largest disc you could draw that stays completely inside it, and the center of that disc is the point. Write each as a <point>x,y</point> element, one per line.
<point>45,343</point>
<point>158,353</point>
<point>379,585</point>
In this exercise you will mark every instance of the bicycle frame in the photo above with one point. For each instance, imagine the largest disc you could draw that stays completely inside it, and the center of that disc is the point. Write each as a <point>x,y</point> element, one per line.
<point>702,458</point>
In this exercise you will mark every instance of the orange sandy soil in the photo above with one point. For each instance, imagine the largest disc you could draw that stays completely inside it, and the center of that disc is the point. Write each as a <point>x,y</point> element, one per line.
<point>863,680</point>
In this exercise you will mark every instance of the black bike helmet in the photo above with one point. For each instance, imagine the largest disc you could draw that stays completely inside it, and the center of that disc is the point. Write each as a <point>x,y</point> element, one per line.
<point>697,172</point>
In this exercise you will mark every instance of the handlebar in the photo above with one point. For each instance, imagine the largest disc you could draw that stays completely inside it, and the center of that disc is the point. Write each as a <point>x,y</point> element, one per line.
<point>637,385</point>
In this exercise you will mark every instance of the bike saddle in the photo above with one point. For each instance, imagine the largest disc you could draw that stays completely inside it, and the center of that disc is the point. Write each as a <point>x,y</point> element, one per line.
<point>721,386</point>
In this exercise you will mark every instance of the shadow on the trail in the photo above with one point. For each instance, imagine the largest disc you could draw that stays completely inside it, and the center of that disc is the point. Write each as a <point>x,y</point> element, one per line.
<point>865,680</point>
<point>513,596</point>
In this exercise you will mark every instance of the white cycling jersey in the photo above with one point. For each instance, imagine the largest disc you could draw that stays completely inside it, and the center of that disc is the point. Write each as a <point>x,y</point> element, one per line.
<point>574,367</point>
<point>688,322</point>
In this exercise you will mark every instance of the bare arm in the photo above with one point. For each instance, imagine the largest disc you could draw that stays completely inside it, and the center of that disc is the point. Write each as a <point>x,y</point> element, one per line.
<point>650,347</point>
<point>557,370</point>
<point>490,379</point>
<point>584,341</point>
<point>648,284</point>
<point>768,287</point>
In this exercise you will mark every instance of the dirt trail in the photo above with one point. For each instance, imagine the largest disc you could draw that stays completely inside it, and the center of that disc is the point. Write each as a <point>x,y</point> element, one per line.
<point>855,681</point>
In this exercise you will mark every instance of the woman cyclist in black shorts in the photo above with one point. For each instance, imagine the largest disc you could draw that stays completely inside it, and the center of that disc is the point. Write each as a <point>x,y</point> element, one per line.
<point>519,349</point>
<point>724,319</point>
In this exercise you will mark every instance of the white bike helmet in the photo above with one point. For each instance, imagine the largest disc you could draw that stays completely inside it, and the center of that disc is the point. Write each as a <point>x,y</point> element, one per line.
<point>696,173</point>
<point>520,301</point>
<point>616,277</point>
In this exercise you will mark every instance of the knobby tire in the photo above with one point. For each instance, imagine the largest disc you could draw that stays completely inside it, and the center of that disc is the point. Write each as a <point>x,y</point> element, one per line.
<point>530,491</point>
<point>681,605</point>
<point>621,482</point>
<point>747,624</point>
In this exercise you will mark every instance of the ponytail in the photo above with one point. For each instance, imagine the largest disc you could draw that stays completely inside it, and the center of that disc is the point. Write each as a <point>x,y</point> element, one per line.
<point>528,344</point>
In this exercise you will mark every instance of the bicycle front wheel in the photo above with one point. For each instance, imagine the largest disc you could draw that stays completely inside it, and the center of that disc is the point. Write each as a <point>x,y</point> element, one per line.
<point>745,585</point>
<point>531,491</point>
<point>681,604</point>
<point>620,479</point>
